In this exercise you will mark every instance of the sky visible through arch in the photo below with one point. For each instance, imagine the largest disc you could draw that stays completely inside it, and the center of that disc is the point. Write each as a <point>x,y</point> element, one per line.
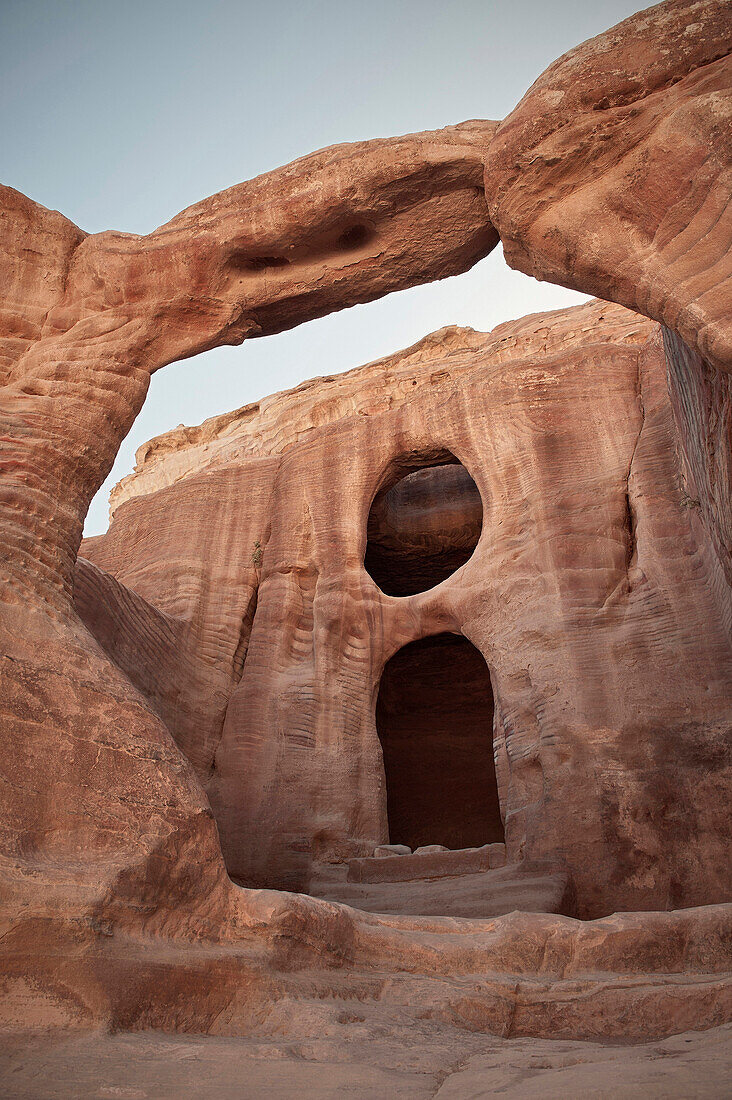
<point>120,115</point>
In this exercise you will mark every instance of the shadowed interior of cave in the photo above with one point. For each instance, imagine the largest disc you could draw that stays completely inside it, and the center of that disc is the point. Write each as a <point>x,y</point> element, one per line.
<point>434,716</point>
<point>423,528</point>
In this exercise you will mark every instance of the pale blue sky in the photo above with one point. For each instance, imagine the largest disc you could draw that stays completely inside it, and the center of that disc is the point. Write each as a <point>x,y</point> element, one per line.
<point>121,114</point>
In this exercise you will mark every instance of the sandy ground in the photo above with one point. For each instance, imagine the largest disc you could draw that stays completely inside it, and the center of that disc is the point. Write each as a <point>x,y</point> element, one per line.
<point>457,1066</point>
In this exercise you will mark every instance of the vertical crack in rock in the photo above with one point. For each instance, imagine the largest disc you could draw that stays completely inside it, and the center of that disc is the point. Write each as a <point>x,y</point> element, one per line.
<point>242,645</point>
<point>245,633</point>
<point>631,518</point>
<point>631,552</point>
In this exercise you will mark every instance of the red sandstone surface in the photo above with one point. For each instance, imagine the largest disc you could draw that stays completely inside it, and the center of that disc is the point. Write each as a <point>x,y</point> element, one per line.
<point>612,175</point>
<point>604,636</point>
<point>192,712</point>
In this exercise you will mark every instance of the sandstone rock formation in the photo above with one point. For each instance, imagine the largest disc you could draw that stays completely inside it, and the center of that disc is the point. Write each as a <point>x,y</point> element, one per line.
<point>613,176</point>
<point>86,320</point>
<point>613,173</point>
<point>204,678</point>
<point>458,1063</point>
<point>592,595</point>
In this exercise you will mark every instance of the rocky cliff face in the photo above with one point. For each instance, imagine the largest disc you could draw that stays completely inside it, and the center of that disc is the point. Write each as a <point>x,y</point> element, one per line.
<point>220,650</point>
<point>590,593</point>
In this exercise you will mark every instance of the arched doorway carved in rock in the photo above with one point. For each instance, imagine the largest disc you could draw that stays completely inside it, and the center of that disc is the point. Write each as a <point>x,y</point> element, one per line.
<point>434,717</point>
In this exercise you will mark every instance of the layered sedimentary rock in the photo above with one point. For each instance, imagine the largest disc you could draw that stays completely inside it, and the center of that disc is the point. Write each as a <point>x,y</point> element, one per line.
<point>591,596</point>
<point>701,397</point>
<point>86,320</point>
<point>104,311</point>
<point>613,176</point>
<point>613,173</point>
<point>458,1064</point>
<point>422,529</point>
<point>104,822</point>
<point>210,658</point>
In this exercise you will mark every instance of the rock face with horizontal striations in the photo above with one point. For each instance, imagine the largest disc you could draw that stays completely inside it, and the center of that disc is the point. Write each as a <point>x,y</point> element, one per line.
<point>613,173</point>
<point>590,599</point>
<point>476,595</point>
<point>613,176</point>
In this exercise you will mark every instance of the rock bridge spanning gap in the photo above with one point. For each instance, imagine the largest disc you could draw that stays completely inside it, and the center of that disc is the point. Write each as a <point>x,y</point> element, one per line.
<point>166,699</point>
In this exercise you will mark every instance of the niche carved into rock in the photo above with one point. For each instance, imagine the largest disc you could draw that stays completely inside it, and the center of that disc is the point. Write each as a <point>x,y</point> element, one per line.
<point>434,717</point>
<point>422,528</point>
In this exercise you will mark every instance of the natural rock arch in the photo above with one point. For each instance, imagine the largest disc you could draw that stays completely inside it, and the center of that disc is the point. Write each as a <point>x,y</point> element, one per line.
<point>86,322</point>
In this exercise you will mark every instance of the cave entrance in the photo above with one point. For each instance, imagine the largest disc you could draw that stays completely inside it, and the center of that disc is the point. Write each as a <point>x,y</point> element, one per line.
<point>434,717</point>
<point>423,527</point>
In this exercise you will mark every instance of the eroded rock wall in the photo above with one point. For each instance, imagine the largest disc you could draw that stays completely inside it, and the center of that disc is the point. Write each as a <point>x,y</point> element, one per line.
<point>86,319</point>
<point>701,397</point>
<point>590,595</point>
<point>116,906</point>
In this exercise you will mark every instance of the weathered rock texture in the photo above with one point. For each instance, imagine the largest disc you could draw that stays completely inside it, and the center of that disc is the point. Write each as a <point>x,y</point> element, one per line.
<point>702,401</point>
<point>530,886</point>
<point>613,173</point>
<point>95,315</point>
<point>592,595</point>
<point>422,529</point>
<point>86,320</point>
<point>455,1064</point>
<point>613,176</point>
<point>226,643</point>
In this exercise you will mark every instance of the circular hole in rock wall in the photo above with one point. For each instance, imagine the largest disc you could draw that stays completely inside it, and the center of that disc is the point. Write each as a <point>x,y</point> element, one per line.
<point>423,527</point>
